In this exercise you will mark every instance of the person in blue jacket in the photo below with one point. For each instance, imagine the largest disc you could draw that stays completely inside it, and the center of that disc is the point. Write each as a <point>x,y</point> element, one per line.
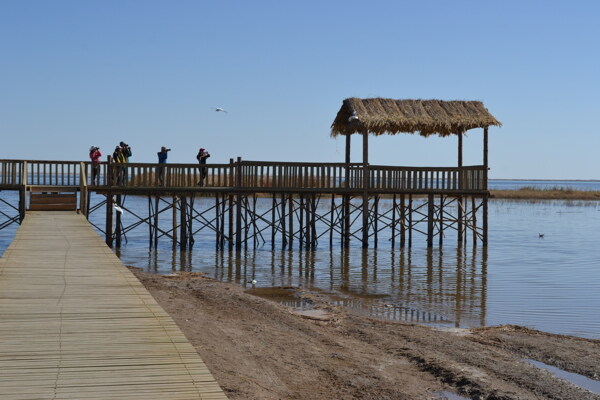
<point>162,159</point>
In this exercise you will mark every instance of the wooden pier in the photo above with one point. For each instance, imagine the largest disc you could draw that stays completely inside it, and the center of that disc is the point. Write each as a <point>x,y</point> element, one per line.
<point>309,203</point>
<point>76,324</point>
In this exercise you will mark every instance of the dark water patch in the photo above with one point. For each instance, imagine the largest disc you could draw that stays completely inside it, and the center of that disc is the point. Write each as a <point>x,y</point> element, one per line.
<point>576,379</point>
<point>287,296</point>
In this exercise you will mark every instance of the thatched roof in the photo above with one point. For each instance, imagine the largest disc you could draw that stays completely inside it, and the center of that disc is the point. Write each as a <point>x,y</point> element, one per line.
<point>425,117</point>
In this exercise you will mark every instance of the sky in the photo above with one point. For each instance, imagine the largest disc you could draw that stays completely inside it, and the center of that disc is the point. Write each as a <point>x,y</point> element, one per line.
<point>79,73</point>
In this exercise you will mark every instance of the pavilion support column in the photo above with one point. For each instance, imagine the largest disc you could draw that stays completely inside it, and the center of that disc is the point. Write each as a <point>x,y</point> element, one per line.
<point>365,205</point>
<point>484,223</point>
<point>460,187</point>
<point>346,197</point>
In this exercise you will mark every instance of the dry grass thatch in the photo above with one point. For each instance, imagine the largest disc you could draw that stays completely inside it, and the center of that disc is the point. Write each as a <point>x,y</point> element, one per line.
<point>425,117</point>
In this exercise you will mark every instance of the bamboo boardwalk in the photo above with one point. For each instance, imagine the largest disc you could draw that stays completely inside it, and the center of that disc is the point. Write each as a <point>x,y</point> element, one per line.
<point>76,324</point>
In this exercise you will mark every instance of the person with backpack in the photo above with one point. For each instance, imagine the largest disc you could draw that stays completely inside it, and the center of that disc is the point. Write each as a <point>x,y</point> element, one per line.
<point>201,157</point>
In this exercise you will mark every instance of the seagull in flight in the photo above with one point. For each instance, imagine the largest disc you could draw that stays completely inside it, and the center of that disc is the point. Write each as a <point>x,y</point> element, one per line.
<point>353,117</point>
<point>217,109</point>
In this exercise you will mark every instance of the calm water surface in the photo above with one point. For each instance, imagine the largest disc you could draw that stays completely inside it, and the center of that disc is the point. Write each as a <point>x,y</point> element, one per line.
<point>550,283</point>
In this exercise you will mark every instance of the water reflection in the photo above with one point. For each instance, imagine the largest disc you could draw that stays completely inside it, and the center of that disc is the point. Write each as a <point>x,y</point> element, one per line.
<point>419,285</point>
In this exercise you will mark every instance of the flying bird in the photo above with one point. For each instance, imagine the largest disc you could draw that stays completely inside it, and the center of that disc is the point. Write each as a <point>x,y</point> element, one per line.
<point>353,117</point>
<point>217,109</point>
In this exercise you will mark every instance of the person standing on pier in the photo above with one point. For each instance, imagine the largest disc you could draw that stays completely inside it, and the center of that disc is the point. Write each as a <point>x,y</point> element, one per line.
<point>95,155</point>
<point>162,159</point>
<point>119,158</point>
<point>201,157</point>
<point>126,150</point>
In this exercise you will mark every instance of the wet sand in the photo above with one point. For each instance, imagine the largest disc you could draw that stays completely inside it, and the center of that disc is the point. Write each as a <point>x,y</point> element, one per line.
<point>260,349</point>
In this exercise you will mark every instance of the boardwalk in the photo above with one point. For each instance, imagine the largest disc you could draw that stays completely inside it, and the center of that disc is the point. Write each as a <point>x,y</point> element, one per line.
<point>76,324</point>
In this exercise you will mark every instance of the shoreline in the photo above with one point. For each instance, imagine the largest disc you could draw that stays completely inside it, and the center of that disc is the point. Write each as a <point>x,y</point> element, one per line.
<point>260,349</point>
<point>530,193</point>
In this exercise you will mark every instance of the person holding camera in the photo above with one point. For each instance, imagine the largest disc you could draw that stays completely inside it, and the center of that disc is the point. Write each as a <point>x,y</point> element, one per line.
<point>119,171</point>
<point>95,155</point>
<point>162,159</point>
<point>201,157</point>
<point>126,153</point>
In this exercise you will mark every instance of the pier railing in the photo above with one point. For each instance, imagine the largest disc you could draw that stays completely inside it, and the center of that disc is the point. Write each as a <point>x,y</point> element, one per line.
<point>245,175</point>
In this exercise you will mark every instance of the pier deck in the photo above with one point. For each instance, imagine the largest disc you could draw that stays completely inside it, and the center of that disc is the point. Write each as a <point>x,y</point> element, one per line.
<point>76,324</point>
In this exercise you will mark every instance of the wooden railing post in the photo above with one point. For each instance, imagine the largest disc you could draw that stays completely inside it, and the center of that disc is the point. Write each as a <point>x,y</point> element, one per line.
<point>82,189</point>
<point>23,192</point>
<point>109,171</point>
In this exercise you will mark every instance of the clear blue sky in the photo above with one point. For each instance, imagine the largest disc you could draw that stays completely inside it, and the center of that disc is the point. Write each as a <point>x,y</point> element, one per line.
<point>80,73</point>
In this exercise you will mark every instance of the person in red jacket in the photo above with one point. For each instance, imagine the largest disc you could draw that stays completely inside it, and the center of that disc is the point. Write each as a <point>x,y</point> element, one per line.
<point>95,155</point>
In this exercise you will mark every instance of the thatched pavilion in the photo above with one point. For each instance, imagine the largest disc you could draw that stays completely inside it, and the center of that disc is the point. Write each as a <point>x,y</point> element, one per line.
<point>378,116</point>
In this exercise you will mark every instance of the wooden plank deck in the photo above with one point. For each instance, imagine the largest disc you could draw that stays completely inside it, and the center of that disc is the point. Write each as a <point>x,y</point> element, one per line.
<point>76,324</point>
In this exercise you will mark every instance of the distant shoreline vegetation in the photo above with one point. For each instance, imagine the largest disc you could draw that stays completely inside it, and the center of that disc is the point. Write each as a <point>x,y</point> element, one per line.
<point>553,193</point>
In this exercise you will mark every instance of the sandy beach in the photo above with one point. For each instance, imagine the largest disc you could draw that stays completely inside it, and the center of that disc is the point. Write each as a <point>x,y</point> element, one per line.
<point>260,349</point>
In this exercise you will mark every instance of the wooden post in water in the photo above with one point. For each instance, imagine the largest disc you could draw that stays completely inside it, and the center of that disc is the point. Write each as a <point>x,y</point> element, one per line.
<point>430,220</point>
<point>150,233</point>
<point>308,207</point>
<point>331,221</point>
<point>314,221</point>
<point>291,220</point>
<point>365,195</point>
<point>441,221</point>
<point>183,236</point>
<point>375,219</point>
<point>109,220</point>
<point>283,227</point>
<point>156,204</point>
<point>393,221</point>
<point>474,218</point>
<point>410,222</point>
<point>273,210</point>
<point>238,205</point>
<point>402,221</point>
<point>118,224</point>
<point>217,222</point>
<point>174,207</point>
<point>301,222</point>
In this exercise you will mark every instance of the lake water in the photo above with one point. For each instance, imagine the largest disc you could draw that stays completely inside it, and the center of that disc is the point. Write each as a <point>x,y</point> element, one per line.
<point>550,283</point>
